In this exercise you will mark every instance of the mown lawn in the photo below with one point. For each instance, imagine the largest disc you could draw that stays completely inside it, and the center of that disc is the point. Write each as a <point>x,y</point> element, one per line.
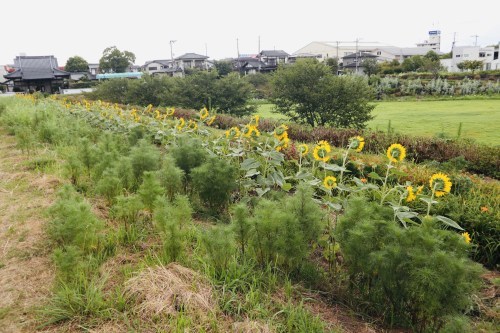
<point>480,118</point>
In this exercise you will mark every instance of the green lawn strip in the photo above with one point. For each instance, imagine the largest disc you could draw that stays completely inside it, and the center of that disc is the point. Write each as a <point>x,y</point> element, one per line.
<point>480,118</point>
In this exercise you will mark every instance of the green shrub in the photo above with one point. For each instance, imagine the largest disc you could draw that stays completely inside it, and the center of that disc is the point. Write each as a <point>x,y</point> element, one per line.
<point>219,247</point>
<point>72,221</point>
<point>144,157</point>
<point>307,212</point>
<point>109,185</point>
<point>415,277</point>
<point>127,209</point>
<point>188,154</point>
<point>277,236</point>
<point>214,181</point>
<point>150,190</point>
<point>87,152</point>
<point>125,172</point>
<point>241,226</point>
<point>171,177</point>
<point>172,221</point>
<point>25,138</point>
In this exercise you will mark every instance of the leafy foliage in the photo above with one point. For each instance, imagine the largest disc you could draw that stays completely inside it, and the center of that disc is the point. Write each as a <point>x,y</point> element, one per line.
<point>309,93</point>
<point>420,287</point>
<point>76,64</point>
<point>115,61</point>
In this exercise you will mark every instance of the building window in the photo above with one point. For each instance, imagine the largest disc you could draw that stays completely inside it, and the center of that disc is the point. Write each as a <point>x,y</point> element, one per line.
<point>466,55</point>
<point>152,68</point>
<point>457,56</point>
<point>379,52</point>
<point>161,67</point>
<point>482,54</point>
<point>495,55</point>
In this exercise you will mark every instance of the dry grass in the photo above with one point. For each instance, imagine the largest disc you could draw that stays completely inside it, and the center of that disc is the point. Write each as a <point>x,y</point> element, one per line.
<point>163,291</point>
<point>26,272</point>
<point>250,326</point>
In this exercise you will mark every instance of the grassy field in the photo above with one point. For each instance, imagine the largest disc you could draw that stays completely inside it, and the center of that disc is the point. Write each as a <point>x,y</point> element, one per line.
<point>480,118</point>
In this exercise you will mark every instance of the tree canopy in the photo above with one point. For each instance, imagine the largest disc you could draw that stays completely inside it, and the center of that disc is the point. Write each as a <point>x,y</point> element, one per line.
<point>309,93</point>
<point>76,64</point>
<point>115,61</point>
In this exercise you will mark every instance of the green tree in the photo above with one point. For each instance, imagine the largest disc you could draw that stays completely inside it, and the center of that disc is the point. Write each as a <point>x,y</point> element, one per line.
<point>333,63</point>
<point>309,93</point>
<point>231,95</point>
<point>470,65</point>
<point>115,61</point>
<point>76,64</point>
<point>370,66</point>
<point>223,67</point>
<point>413,64</point>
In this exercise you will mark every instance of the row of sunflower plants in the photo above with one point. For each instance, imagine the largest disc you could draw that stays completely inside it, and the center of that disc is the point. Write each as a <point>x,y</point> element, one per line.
<point>266,164</point>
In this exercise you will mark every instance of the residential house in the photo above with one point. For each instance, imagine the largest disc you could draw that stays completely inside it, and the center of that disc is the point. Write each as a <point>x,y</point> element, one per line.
<point>37,73</point>
<point>272,58</point>
<point>161,67</point>
<point>193,61</point>
<point>354,62</point>
<point>250,65</point>
<point>488,55</point>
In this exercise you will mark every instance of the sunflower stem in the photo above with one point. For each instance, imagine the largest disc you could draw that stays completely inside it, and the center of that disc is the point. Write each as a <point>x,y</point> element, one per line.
<point>382,194</point>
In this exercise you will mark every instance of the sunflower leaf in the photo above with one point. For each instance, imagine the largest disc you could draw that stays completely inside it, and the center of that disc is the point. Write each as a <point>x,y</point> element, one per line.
<point>449,222</point>
<point>249,163</point>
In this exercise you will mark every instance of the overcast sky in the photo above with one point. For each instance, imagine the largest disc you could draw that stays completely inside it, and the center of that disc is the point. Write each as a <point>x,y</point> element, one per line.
<point>66,28</point>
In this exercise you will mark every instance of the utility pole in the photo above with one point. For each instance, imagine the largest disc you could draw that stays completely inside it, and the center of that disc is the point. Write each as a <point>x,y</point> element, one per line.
<point>172,52</point>
<point>454,41</point>
<point>357,41</point>
<point>238,47</point>
<point>258,55</point>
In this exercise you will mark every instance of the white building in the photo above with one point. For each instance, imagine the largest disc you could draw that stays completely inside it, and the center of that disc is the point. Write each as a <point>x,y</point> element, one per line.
<point>325,50</point>
<point>434,41</point>
<point>488,55</point>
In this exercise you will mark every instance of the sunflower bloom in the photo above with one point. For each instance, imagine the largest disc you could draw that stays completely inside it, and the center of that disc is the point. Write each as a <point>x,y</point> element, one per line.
<point>204,113</point>
<point>192,124</point>
<point>180,124</point>
<point>321,151</point>
<point>396,153</point>
<point>440,183</point>
<point>233,132</point>
<point>280,131</point>
<point>357,143</point>
<point>283,142</point>
<point>210,120</point>
<point>250,131</point>
<point>466,237</point>
<point>303,149</point>
<point>412,195</point>
<point>330,182</point>
<point>170,112</point>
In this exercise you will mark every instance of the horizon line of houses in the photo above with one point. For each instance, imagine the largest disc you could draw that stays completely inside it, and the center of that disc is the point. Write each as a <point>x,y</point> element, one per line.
<point>42,73</point>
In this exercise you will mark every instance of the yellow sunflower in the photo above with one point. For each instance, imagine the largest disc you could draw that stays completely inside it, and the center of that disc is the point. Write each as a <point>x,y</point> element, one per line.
<point>233,132</point>
<point>330,182</point>
<point>440,183</point>
<point>283,142</point>
<point>250,131</point>
<point>192,124</point>
<point>280,131</point>
<point>396,153</point>
<point>204,113</point>
<point>357,143</point>
<point>170,112</point>
<point>411,194</point>
<point>180,123</point>
<point>466,237</point>
<point>303,149</point>
<point>210,120</point>
<point>321,151</point>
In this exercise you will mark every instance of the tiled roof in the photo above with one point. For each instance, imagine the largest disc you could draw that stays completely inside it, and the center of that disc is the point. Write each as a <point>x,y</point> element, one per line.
<point>191,56</point>
<point>35,68</point>
<point>274,53</point>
